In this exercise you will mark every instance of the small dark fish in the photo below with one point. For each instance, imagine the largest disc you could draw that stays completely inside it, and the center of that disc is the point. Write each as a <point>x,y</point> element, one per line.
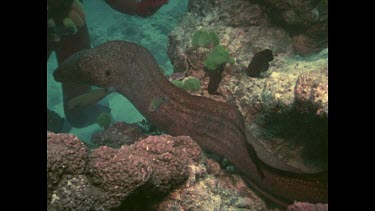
<point>259,63</point>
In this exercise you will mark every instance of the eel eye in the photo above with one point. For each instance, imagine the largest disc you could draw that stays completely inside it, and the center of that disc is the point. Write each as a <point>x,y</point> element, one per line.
<point>107,73</point>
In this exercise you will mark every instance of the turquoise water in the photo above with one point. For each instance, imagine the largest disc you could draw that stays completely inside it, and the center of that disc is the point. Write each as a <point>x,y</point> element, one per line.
<point>106,24</point>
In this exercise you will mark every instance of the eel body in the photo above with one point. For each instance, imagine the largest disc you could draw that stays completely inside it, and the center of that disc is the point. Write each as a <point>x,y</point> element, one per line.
<point>217,127</point>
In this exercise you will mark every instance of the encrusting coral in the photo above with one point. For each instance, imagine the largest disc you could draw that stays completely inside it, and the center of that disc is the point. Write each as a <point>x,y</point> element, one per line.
<point>214,64</point>
<point>102,179</point>
<point>205,39</point>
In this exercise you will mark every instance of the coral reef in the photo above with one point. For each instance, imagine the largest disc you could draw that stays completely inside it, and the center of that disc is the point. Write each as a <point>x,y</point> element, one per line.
<point>293,80</point>
<point>245,28</point>
<point>252,33</point>
<point>117,179</point>
<point>303,206</point>
<point>66,156</point>
<point>210,188</point>
<point>214,65</point>
<point>177,83</point>
<point>103,179</point>
<point>217,127</point>
<point>298,126</point>
<point>191,84</point>
<point>107,177</point>
<point>304,46</point>
<point>242,41</point>
<point>148,128</point>
<point>156,163</point>
<point>301,19</point>
<point>218,57</point>
<point>204,39</point>
<point>120,133</point>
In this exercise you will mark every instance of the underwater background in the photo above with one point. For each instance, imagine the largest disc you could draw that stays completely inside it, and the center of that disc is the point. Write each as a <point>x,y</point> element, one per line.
<point>106,24</point>
<point>268,59</point>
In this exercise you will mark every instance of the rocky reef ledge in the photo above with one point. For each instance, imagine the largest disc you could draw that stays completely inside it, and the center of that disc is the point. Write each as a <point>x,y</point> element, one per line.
<point>287,105</point>
<point>155,173</point>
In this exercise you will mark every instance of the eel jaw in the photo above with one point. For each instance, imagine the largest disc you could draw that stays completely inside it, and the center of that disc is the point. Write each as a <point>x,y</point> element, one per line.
<point>66,75</point>
<point>71,71</point>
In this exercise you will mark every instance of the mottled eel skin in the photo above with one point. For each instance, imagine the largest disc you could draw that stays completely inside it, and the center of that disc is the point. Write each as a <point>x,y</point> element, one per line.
<point>217,127</point>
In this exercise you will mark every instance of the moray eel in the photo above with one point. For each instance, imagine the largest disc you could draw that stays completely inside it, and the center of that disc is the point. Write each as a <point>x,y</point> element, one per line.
<point>217,127</point>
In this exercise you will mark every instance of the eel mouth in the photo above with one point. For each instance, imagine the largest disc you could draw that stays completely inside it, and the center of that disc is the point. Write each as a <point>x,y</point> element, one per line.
<point>58,75</point>
<point>70,70</point>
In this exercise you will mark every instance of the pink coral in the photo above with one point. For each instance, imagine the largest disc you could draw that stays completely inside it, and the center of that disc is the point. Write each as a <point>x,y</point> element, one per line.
<point>304,206</point>
<point>103,179</point>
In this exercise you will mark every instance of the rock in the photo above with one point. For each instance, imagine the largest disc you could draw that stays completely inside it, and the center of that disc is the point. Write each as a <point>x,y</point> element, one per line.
<point>313,87</point>
<point>120,133</point>
<point>300,17</point>
<point>292,80</point>
<point>104,178</point>
<point>207,192</point>
<point>66,154</point>
<point>304,206</point>
<point>242,42</point>
<point>213,167</point>
<point>297,77</point>
<point>76,193</point>
<point>173,167</point>
<point>304,45</point>
<point>156,162</point>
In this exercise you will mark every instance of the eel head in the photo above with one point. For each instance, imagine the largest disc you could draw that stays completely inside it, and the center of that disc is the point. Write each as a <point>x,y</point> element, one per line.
<point>98,66</point>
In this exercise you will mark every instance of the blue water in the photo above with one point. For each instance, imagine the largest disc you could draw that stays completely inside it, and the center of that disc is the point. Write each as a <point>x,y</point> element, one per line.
<point>106,24</point>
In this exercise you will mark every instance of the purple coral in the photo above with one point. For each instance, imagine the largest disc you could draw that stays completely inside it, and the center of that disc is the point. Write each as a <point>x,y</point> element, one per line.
<point>66,154</point>
<point>103,179</point>
<point>118,134</point>
<point>304,206</point>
